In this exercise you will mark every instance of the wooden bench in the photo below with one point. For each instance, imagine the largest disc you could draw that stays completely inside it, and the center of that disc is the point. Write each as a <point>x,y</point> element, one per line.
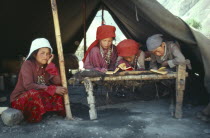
<point>180,76</point>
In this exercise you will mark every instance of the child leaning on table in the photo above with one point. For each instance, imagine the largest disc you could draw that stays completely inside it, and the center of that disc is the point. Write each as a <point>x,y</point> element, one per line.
<point>164,53</point>
<point>130,55</point>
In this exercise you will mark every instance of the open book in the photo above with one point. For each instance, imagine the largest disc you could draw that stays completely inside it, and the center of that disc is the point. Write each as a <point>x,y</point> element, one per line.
<point>122,67</point>
<point>161,70</point>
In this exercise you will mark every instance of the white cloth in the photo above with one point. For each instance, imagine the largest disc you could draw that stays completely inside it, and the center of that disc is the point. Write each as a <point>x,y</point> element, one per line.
<point>39,43</point>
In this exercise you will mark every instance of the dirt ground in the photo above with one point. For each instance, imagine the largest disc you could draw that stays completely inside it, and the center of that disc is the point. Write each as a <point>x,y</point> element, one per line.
<point>121,118</point>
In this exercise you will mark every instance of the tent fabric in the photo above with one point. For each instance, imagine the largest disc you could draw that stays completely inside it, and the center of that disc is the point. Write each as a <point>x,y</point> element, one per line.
<point>23,21</point>
<point>153,18</point>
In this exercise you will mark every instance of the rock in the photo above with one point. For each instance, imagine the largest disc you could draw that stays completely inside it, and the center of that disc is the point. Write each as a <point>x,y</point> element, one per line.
<point>2,109</point>
<point>12,117</point>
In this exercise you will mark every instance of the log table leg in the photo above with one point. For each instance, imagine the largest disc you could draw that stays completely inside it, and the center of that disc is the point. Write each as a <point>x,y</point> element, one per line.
<point>90,98</point>
<point>180,86</point>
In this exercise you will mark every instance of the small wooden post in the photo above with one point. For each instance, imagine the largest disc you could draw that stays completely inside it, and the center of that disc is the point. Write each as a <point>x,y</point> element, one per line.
<point>90,98</point>
<point>180,86</point>
<point>61,58</point>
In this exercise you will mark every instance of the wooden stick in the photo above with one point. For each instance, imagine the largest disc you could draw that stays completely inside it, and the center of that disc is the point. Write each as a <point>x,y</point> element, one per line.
<point>84,25</point>
<point>132,72</point>
<point>90,98</point>
<point>180,87</point>
<point>136,77</point>
<point>61,58</point>
<point>123,76</point>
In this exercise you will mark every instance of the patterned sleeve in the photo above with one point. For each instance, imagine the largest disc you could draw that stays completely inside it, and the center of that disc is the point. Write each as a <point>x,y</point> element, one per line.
<point>53,71</point>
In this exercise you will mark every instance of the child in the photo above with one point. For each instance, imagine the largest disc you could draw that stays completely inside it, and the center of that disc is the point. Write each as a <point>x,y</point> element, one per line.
<point>37,90</point>
<point>167,54</point>
<point>130,54</point>
<point>102,54</point>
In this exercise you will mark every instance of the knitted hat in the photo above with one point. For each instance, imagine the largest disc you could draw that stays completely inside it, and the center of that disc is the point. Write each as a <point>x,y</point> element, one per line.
<point>154,42</point>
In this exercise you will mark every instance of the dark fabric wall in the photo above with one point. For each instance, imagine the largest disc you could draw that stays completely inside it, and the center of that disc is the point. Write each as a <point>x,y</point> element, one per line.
<point>23,21</point>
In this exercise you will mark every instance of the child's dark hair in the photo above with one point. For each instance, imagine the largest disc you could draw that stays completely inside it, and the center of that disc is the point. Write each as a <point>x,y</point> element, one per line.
<point>32,56</point>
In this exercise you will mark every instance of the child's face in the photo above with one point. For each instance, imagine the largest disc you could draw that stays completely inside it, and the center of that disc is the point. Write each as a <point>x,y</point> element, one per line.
<point>43,55</point>
<point>129,58</point>
<point>160,50</point>
<point>106,43</point>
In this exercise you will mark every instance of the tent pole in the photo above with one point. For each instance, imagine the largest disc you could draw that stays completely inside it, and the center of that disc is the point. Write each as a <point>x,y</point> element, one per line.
<point>84,25</point>
<point>61,58</point>
<point>102,17</point>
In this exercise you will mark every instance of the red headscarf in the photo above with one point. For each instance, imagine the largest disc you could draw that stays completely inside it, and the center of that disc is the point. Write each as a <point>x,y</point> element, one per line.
<point>104,31</point>
<point>127,47</point>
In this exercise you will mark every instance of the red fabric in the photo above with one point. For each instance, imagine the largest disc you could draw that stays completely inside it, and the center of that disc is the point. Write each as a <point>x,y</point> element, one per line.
<point>127,47</point>
<point>34,103</point>
<point>104,31</point>
<point>51,69</point>
<point>51,89</point>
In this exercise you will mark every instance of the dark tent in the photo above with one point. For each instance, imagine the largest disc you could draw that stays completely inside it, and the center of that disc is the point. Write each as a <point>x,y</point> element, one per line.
<point>22,21</point>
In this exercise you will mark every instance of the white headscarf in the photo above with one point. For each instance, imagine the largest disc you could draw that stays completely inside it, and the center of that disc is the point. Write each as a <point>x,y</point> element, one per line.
<point>39,43</point>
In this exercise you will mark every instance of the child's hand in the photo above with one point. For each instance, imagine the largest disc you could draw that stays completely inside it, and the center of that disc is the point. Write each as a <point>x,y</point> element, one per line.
<point>61,90</point>
<point>164,64</point>
<point>51,58</point>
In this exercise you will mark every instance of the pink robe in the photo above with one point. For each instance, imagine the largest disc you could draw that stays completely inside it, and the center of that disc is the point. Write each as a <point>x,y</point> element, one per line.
<point>95,60</point>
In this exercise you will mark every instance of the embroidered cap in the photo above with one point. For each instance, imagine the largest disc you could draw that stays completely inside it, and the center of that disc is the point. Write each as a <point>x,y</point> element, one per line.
<point>154,42</point>
<point>39,43</point>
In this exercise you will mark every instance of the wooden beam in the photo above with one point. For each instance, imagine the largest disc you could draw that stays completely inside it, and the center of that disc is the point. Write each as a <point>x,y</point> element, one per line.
<point>133,72</point>
<point>90,98</point>
<point>180,86</point>
<point>84,24</point>
<point>135,77</point>
<point>61,58</point>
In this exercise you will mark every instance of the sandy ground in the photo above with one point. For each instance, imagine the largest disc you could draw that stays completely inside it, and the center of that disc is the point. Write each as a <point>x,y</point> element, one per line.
<point>130,119</point>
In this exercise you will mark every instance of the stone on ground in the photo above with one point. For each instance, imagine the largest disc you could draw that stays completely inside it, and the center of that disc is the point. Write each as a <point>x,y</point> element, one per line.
<point>12,117</point>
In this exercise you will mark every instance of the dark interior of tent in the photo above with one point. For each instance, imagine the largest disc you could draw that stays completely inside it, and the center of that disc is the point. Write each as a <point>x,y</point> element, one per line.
<point>23,21</point>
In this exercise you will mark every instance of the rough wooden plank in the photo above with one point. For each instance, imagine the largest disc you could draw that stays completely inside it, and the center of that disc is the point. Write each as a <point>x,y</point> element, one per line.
<point>180,86</point>
<point>136,77</point>
<point>132,72</point>
<point>90,98</point>
<point>131,77</point>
